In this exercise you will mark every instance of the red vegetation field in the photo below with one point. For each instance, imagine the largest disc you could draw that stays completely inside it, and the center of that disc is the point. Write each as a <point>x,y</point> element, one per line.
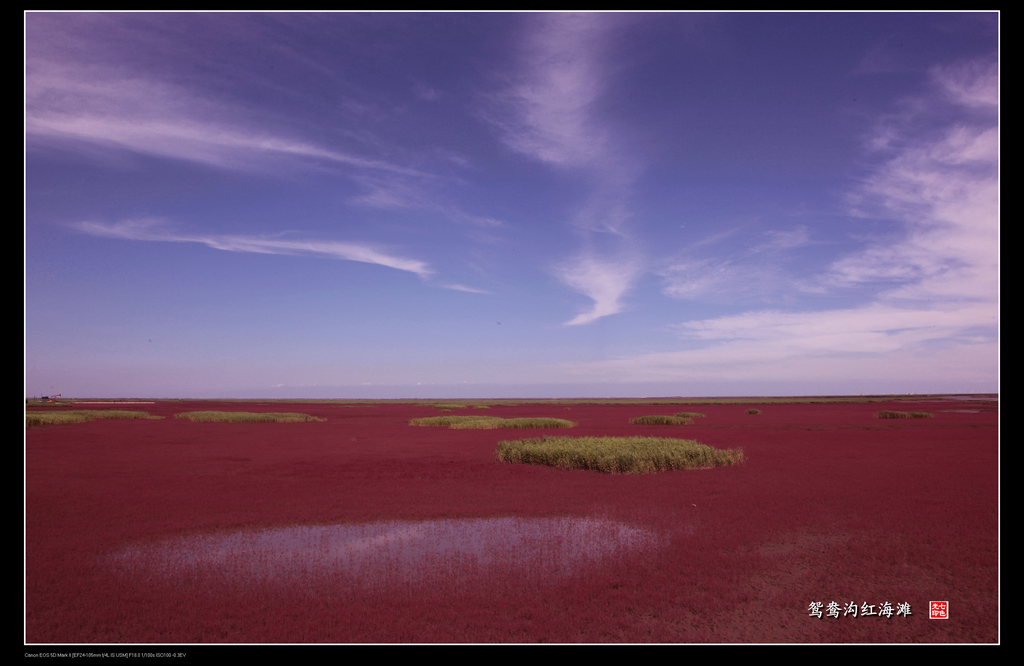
<point>178,532</point>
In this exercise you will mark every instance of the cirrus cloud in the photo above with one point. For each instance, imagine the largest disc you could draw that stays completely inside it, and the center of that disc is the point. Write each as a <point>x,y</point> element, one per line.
<point>156,230</point>
<point>932,306</point>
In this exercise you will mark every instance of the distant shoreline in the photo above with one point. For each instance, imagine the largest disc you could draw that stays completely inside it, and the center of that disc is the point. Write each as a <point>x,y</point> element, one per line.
<point>667,400</point>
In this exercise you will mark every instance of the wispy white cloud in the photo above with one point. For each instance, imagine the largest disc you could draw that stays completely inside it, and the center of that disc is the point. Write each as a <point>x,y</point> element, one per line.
<point>933,282</point>
<point>156,230</point>
<point>92,105</point>
<point>462,287</point>
<point>973,84</point>
<point>873,328</point>
<point>67,105</point>
<point>945,191</point>
<point>549,113</point>
<point>942,191</point>
<point>396,192</point>
<point>755,272</point>
<point>604,281</point>
<point>784,240</point>
<point>874,343</point>
<point>721,279</point>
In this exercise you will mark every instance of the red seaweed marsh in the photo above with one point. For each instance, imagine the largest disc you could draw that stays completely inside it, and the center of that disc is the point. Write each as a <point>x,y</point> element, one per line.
<point>837,526</point>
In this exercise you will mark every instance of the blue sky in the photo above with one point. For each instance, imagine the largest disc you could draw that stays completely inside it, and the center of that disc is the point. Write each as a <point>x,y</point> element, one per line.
<point>383,205</point>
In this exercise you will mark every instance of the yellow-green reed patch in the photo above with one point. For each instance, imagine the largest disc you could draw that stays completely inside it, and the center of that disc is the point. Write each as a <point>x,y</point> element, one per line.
<point>82,415</point>
<point>661,420</point>
<point>489,422</point>
<point>246,417</point>
<point>448,406</point>
<point>885,414</point>
<point>617,455</point>
<point>690,415</point>
<point>753,411</point>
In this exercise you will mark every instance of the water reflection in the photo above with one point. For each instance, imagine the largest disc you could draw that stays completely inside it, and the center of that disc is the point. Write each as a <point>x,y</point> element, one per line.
<point>376,555</point>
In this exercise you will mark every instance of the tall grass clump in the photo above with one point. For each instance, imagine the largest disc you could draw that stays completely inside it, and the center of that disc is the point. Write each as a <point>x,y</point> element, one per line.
<point>617,455</point>
<point>661,420</point>
<point>527,422</point>
<point>753,411</point>
<point>82,415</point>
<point>489,422</point>
<point>690,415</point>
<point>246,417</point>
<point>449,406</point>
<point>885,414</point>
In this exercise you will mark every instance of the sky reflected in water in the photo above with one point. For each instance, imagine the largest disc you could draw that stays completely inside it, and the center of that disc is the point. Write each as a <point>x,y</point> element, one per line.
<point>386,554</point>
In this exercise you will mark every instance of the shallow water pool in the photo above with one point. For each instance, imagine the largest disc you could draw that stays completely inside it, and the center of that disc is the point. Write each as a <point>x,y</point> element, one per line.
<point>389,554</point>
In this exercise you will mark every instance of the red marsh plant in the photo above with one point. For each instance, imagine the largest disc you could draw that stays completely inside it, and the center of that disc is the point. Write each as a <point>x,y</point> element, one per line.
<point>742,550</point>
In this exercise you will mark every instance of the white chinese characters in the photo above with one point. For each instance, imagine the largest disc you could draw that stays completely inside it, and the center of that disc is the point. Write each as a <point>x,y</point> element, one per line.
<point>833,609</point>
